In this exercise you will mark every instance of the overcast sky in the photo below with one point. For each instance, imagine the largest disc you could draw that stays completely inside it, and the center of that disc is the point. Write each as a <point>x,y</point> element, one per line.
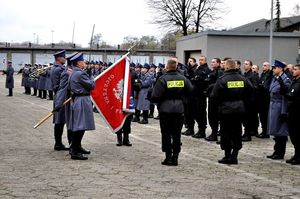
<point>23,20</point>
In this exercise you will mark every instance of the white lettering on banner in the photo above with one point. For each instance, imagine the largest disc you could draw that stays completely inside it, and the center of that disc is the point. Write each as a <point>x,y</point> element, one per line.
<point>106,85</point>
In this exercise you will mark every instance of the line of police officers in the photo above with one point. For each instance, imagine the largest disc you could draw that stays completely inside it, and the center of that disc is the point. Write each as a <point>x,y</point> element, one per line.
<point>232,97</point>
<point>180,91</point>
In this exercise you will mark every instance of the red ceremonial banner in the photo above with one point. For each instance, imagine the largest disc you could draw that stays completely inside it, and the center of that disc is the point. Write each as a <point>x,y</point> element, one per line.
<point>111,95</point>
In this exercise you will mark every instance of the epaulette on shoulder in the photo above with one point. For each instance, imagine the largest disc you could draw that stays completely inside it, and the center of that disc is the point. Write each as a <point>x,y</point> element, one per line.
<point>69,70</point>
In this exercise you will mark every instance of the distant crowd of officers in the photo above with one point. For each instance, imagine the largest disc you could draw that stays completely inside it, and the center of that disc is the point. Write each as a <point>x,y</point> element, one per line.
<point>224,95</point>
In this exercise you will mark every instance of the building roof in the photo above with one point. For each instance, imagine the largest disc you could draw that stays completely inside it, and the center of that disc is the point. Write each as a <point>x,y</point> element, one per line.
<point>263,25</point>
<point>239,34</point>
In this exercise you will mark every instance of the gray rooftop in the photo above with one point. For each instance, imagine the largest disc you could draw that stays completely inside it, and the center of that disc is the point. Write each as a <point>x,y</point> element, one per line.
<point>240,34</point>
<point>262,25</point>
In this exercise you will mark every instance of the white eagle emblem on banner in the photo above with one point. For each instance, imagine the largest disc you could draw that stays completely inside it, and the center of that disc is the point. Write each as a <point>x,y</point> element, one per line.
<point>118,91</point>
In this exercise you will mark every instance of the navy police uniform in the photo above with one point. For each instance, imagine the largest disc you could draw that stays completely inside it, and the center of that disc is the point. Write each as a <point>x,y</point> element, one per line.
<point>230,92</point>
<point>63,94</point>
<point>168,92</point>
<point>59,115</point>
<point>9,78</point>
<point>81,108</point>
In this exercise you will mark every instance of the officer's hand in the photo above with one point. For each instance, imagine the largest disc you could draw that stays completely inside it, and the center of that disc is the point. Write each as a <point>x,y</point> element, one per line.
<point>283,118</point>
<point>56,109</point>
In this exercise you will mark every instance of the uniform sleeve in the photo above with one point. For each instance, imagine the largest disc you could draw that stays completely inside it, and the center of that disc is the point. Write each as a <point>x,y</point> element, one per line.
<point>158,91</point>
<point>216,91</point>
<point>86,81</point>
<point>189,87</point>
<point>62,91</point>
<point>148,82</point>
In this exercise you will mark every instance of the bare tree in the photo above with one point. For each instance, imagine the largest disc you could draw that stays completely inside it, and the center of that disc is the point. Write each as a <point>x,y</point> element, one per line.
<point>186,15</point>
<point>173,14</point>
<point>205,11</point>
<point>278,13</point>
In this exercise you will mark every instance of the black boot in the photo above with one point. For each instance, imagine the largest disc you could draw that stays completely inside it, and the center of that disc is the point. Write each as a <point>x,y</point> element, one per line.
<point>199,134</point>
<point>167,160</point>
<point>83,150</point>
<point>174,159</point>
<point>188,132</point>
<point>234,156</point>
<point>145,118</point>
<point>136,116</point>
<point>227,158</point>
<point>119,139</point>
<point>212,137</point>
<point>58,131</point>
<point>76,145</point>
<point>126,141</point>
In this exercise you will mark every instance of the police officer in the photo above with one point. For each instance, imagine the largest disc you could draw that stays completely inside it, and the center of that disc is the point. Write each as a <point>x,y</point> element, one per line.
<point>293,113</point>
<point>59,116</point>
<point>63,94</point>
<point>152,106</point>
<point>212,107</point>
<point>145,82</point>
<point>190,100</point>
<point>25,79</point>
<point>277,117</point>
<point>201,85</point>
<point>48,86</point>
<point>33,80</point>
<point>230,92</point>
<point>9,72</point>
<point>136,75</point>
<point>82,117</point>
<point>251,119</point>
<point>264,98</point>
<point>168,92</point>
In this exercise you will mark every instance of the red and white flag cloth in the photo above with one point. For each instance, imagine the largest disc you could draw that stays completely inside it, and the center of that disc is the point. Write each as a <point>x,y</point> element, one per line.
<point>112,94</point>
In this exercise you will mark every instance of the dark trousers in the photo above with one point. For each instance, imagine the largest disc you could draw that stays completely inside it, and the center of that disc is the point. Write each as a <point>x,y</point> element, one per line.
<point>151,109</point>
<point>126,128</point>
<point>58,131</point>
<point>40,93</point>
<point>263,114</point>
<point>251,121</point>
<point>213,115</point>
<point>50,93</point>
<point>44,94</point>
<point>34,91</point>
<point>197,111</point>
<point>145,115</point>
<point>294,132</point>
<point>171,125</point>
<point>280,145</point>
<point>76,141</point>
<point>231,132</point>
<point>137,114</point>
<point>10,92</point>
<point>27,90</point>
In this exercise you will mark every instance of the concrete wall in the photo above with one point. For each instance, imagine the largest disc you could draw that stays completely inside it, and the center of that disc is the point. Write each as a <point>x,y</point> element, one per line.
<point>238,46</point>
<point>194,44</point>
<point>21,56</point>
<point>253,48</point>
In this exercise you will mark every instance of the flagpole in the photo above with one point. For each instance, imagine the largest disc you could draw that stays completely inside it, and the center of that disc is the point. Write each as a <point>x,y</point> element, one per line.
<point>91,43</point>
<point>271,34</point>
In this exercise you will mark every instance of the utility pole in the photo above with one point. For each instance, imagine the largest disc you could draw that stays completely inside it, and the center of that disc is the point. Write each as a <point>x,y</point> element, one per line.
<point>271,34</point>
<point>52,31</point>
<point>73,32</point>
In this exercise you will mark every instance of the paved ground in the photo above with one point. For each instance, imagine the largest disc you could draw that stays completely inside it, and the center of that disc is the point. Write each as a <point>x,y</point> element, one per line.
<point>30,168</point>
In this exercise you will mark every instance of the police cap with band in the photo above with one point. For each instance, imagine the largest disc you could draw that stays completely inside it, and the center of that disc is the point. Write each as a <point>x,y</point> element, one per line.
<point>278,63</point>
<point>60,54</point>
